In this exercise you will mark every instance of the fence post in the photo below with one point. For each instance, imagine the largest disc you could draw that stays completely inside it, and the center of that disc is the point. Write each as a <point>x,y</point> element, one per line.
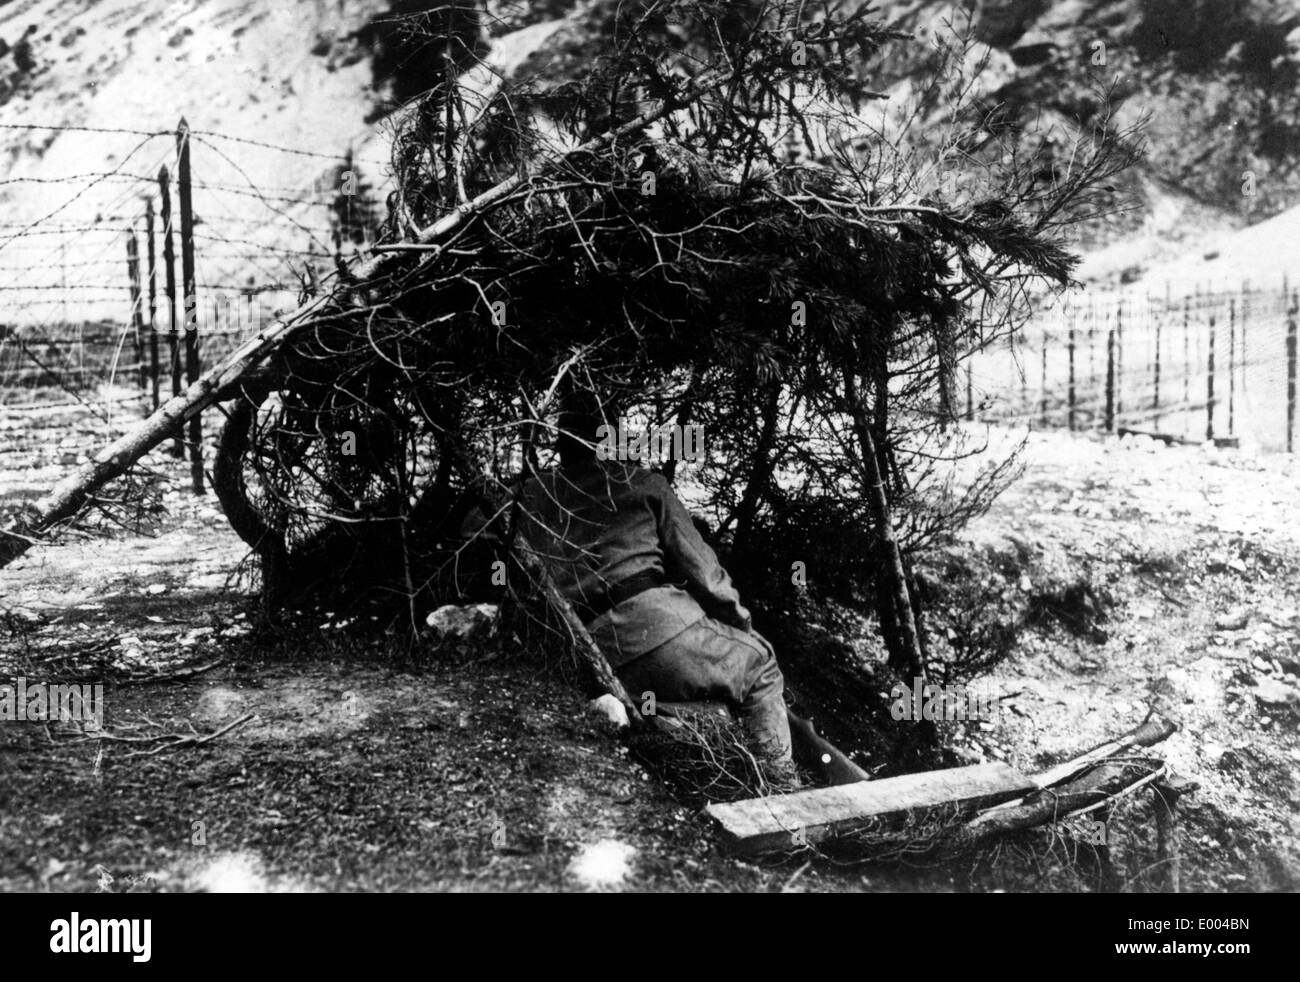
<point>1119,357</point>
<point>1019,359</point>
<point>1291,370</point>
<point>191,300</point>
<point>1155,401</point>
<point>153,299</point>
<point>1245,316</point>
<point>1069,392</point>
<point>137,320</point>
<point>1209,384</point>
<point>169,287</point>
<point>1187,362</point>
<point>1232,363</point>
<point>1092,351</point>
<point>1042,392</point>
<point>1110,380</point>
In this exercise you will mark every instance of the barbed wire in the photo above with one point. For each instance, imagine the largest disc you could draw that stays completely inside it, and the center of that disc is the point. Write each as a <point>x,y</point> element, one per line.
<point>104,175</point>
<point>84,129</point>
<point>136,149</point>
<point>283,149</point>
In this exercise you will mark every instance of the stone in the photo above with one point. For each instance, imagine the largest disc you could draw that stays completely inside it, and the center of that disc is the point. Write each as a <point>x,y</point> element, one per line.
<point>611,709</point>
<point>1271,692</point>
<point>1233,620</point>
<point>463,623</point>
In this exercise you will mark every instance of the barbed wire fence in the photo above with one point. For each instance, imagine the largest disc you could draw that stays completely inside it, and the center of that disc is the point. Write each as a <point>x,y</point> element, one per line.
<point>1215,364</point>
<point>109,303</point>
<point>98,325</point>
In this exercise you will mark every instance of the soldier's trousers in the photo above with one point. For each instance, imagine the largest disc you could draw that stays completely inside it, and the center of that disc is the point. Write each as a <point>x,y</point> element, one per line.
<point>714,662</point>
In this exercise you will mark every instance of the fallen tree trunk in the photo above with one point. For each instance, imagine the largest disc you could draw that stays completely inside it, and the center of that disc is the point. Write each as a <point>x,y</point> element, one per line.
<point>67,497</point>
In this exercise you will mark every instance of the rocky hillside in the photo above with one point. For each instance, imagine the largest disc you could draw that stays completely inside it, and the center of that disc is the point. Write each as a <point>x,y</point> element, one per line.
<point>1216,82</point>
<point>276,94</point>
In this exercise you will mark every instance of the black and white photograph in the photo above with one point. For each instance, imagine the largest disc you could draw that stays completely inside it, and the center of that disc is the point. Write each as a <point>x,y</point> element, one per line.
<point>649,447</point>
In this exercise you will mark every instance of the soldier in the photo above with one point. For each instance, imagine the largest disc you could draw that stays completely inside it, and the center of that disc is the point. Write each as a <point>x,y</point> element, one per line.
<point>624,551</point>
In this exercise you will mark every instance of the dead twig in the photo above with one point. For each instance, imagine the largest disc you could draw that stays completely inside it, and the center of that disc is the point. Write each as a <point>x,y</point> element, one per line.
<point>184,673</point>
<point>192,741</point>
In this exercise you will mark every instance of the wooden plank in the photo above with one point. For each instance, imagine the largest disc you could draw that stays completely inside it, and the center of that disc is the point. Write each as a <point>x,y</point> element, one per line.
<point>766,824</point>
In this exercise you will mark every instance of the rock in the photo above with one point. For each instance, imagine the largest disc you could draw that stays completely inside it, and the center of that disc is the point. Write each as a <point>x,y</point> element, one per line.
<point>471,622</point>
<point>968,755</point>
<point>1233,621</point>
<point>611,709</point>
<point>1271,692</point>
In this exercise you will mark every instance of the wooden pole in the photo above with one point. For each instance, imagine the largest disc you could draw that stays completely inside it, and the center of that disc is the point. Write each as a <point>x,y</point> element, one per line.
<point>1119,357</point>
<point>137,319</point>
<point>1110,380</point>
<point>153,299</point>
<point>192,370</point>
<point>1245,316</point>
<point>1042,390</point>
<point>1070,390</point>
<point>1291,370</point>
<point>1187,362</point>
<point>1092,349</point>
<point>1209,385</point>
<point>1232,363</point>
<point>169,287</point>
<point>1155,399</point>
<point>1024,376</point>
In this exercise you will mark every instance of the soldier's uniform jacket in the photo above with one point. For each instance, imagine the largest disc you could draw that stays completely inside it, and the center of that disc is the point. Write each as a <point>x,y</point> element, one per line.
<point>602,523</point>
